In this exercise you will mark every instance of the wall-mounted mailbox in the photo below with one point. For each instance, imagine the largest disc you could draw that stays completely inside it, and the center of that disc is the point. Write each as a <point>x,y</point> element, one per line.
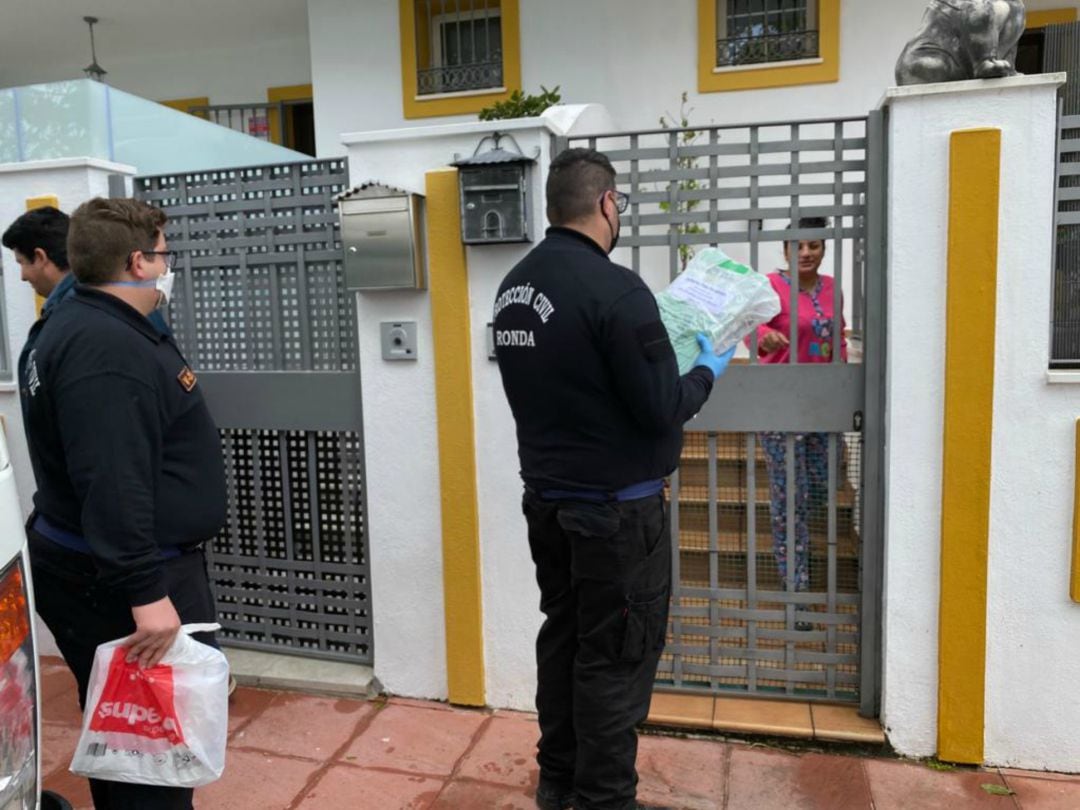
<point>495,190</point>
<point>382,231</point>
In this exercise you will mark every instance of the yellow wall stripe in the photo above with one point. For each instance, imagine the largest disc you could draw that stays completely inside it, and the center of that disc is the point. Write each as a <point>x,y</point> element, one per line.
<point>971,305</point>
<point>1074,579</point>
<point>448,284</point>
<point>41,202</point>
<point>1054,16</point>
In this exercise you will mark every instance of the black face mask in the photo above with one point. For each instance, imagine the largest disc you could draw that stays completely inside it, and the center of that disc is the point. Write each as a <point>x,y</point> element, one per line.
<point>614,231</point>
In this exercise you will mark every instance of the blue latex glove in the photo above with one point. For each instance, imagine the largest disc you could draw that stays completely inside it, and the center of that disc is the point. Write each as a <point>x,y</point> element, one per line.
<point>716,363</point>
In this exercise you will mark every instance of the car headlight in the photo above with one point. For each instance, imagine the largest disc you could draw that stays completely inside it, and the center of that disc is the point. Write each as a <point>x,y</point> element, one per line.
<point>18,702</point>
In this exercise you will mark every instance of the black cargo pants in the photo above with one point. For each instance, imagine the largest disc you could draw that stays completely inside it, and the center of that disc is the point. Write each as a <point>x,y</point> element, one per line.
<point>604,570</point>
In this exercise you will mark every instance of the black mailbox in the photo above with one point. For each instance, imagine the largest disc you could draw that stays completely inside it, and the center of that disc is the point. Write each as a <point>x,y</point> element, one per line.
<point>495,191</point>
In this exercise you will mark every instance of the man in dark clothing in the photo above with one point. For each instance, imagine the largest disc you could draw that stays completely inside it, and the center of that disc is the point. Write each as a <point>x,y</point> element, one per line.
<point>595,391</point>
<point>39,241</point>
<point>128,464</point>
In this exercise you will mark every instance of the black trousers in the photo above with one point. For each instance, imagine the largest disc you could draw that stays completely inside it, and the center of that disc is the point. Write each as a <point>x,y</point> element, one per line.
<point>604,571</point>
<point>81,614</point>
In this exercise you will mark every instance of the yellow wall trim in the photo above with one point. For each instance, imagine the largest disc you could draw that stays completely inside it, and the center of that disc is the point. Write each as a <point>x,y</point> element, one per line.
<point>827,70</point>
<point>291,92</point>
<point>41,201</point>
<point>971,308</point>
<point>1054,16</point>
<point>416,106</point>
<point>1074,579</point>
<point>185,104</point>
<point>448,283</point>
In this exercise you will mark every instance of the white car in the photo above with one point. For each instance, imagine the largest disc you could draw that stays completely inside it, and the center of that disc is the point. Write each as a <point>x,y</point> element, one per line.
<point>20,715</point>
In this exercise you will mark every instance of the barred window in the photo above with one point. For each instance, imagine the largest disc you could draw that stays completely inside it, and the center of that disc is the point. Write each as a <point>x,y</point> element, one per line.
<point>459,46</point>
<point>753,32</point>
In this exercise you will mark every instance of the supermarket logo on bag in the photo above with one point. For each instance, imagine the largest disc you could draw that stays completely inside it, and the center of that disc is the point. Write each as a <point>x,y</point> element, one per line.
<point>137,701</point>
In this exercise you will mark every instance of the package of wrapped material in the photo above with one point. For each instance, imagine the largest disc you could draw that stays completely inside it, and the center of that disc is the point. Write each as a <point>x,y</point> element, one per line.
<point>718,296</point>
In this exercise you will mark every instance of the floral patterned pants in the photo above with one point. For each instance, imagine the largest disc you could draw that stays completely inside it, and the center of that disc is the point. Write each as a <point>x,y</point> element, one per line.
<point>811,480</point>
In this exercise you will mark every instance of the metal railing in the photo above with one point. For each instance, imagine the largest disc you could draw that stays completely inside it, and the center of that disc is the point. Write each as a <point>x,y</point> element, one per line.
<point>251,119</point>
<point>756,49</point>
<point>1065,312</point>
<point>460,78</point>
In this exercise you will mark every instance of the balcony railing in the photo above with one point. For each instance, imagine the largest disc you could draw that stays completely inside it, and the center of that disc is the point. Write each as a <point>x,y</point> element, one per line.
<point>461,78</point>
<point>759,49</point>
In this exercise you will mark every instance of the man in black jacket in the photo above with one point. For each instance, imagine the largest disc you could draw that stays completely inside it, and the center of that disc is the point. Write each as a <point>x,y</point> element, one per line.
<point>595,391</point>
<point>128,463</point>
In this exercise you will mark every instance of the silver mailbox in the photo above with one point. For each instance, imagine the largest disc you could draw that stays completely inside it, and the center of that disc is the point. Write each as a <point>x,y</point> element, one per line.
<point>382,231</point>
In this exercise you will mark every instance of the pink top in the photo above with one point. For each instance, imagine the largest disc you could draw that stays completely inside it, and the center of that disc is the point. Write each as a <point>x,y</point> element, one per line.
<point>815,323</point>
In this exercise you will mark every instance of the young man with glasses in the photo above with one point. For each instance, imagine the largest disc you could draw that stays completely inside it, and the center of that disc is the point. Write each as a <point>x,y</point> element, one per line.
<point>131,481</point>
<point>595,391</point>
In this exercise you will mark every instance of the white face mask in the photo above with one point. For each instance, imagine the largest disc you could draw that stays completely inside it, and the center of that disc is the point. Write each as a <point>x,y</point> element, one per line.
<point>164,284</point>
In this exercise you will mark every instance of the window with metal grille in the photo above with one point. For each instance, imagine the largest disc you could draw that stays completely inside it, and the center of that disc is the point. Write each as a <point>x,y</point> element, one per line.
<point>6,371</point>
<point>755,32</point>
<point>458,46</point>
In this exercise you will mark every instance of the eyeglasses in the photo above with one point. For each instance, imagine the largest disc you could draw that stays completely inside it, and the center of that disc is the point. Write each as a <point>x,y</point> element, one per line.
<point>169,256</point>
<point>622,200</point>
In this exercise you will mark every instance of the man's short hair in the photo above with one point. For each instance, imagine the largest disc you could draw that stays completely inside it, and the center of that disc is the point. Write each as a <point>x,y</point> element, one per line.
<point>576,179</point>
<point>105,232</point>
<point>45,228</point>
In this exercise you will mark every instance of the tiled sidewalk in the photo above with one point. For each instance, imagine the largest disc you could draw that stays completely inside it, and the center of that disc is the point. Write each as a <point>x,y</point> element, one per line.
<point>293,752</point>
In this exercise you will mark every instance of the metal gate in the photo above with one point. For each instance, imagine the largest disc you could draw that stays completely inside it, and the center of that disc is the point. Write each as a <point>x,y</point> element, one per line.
<point>813,430</point>
<point>262,314</point>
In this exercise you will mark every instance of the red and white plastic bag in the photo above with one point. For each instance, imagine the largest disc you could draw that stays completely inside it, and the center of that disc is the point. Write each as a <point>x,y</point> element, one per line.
<point>164,725</point>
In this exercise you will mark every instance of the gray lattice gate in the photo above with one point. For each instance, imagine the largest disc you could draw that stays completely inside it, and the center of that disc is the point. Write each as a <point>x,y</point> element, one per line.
<point>738,624</point>
<point>262,314</point>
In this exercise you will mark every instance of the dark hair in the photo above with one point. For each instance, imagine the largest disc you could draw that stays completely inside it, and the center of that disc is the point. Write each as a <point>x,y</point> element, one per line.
<point>806,223</point>
<point>104,233</point>
<point>45,228</point>
<point>576,179</point>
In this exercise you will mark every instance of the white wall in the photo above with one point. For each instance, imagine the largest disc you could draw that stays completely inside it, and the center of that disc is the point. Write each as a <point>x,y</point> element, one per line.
<point>634,56</point>
<point>1033,659</point>
<point>1033,663</point>
<point>402,465</point>
<point>72,182</point>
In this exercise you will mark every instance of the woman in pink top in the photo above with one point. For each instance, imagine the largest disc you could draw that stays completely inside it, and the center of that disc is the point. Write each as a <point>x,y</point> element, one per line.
<point>815,345</point>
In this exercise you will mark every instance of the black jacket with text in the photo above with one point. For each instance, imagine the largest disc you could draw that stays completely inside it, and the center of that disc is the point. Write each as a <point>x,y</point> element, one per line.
<point>589,371</point>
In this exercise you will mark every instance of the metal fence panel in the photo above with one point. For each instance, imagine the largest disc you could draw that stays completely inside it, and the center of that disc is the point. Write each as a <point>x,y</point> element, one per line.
<point>769,504</point>
<point>262,313</point>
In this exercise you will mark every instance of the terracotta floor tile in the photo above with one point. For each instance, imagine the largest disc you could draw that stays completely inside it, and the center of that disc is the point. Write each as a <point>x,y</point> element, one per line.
<point>303,726</point>
<point>682,711</point>
<point>344,786</point>
<point>688,774</point>
<point>907,786</point>
<point>422,704</point>
<point>505,754</point>
<point>530,716</point>
<point>1051,775</point>
<point>246,703</point>
<point>771,780</point>
<point>404,738</point>
<point>58,742</point>
<point>843,723</point>
<point>56,679</point>
<point>73,788</point>
<point>476,796</point>
<point>763,717</point>
<point>1045,794</point>
<point>256,781</point>
<point>63,708</point>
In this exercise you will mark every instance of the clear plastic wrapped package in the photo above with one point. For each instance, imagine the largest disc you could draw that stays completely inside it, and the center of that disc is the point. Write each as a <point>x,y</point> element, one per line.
<point>718,296</point>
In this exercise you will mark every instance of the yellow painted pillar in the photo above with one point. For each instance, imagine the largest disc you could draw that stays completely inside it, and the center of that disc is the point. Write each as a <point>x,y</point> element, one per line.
<point>971,307</point>
<point>448,284</point>
<point>1074,578</point>
<point>43,201</point>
